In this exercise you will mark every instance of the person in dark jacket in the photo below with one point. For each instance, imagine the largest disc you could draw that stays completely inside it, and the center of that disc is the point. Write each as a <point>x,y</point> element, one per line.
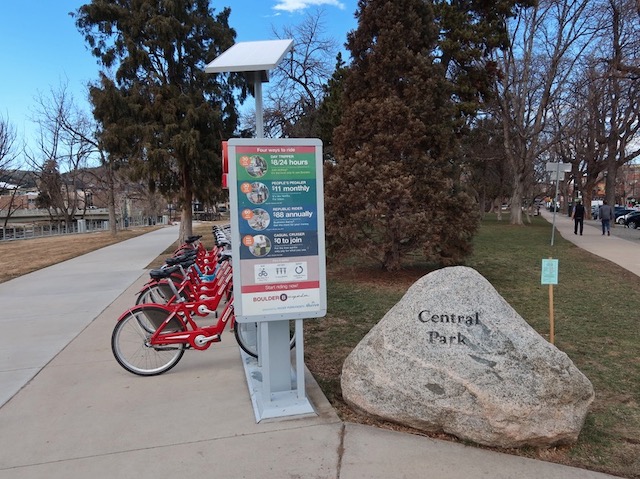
<point>607,216</point>
<point>578,217</point>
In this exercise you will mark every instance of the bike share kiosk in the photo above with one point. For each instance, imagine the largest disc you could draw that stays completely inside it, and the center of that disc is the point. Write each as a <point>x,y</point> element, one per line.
<point>277,229</point>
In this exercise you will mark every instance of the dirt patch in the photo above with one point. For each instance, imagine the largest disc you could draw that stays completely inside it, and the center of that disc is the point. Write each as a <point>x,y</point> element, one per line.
<point>376,277</point>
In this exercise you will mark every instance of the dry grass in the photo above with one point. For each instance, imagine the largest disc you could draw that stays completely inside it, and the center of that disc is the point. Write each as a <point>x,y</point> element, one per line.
<point>20,257</point>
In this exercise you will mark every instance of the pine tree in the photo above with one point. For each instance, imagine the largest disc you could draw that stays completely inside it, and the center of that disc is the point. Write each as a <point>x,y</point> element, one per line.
<point>160,112</point>
<point>330,110</point>
<point>395,187</point>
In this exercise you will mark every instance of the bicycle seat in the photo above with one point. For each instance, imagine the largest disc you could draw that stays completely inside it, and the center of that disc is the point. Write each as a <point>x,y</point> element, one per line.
<point>180,259</point>
<point>226,252</point>
<point>163,273</point>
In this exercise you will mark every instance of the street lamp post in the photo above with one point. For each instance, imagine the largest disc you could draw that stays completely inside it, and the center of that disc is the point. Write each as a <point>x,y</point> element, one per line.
<point>556,167</point>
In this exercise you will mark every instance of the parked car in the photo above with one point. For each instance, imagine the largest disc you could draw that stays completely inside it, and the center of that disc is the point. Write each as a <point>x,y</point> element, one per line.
<point>621,212</point>
<point>622,219</point>
<point>633,220</point>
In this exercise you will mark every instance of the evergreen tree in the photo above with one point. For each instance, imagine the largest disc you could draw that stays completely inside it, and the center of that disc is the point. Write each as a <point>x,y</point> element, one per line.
<point>396,186</point>
<point>330,111</point>
<point>160,112</point>
<point>321,121</point>
<point>470,30</point>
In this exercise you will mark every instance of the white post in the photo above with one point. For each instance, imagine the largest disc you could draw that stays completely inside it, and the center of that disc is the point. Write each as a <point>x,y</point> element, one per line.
<point>257,87</point>
<point>551,167</point>
<point>300,386</point>
<point>555,199</point>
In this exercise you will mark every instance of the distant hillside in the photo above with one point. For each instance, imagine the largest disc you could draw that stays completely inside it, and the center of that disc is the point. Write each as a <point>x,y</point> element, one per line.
<point>20,178</point>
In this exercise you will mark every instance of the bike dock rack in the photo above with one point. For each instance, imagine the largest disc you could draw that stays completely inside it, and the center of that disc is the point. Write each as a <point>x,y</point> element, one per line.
<point>290,399</point>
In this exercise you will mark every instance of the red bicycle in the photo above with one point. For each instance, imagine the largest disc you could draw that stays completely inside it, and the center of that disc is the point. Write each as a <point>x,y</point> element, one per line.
<point>150,339</point>
<point>193,270</point>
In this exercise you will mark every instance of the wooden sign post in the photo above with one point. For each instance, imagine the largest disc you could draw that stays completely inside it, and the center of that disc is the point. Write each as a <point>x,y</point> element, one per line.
<point>550,276</point>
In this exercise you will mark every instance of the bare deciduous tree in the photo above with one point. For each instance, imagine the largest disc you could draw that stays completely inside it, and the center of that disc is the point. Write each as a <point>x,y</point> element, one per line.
<point>297,83</point>
<point>8,145</point>
<point>9,164</point>
<point>620,120</point>
<point>60,149</point>
<point>578,124</point>
<point>546,41</point>
<point>598,123</point>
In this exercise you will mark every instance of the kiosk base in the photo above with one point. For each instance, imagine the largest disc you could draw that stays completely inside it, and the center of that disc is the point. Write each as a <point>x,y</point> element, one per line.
<point>278,404</point>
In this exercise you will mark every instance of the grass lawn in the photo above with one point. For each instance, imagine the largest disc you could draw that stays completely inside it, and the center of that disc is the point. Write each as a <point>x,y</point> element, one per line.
<point>597,314</point>
<point>597,323</point>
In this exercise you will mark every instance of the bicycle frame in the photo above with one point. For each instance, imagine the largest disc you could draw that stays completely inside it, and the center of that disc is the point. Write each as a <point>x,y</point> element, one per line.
<point>198,337</point>
<point>179,316</point>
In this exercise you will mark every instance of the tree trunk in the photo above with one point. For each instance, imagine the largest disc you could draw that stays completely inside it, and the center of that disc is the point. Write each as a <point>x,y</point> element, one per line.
<point>186,214</point>
<point>111,200</point>
<point>497,207</point>
<point>186,227</point>
<point>610,183</point>
<point>586,201</point>
<point>10,209</point>
<point>391,259</point>
<point>516,200</point>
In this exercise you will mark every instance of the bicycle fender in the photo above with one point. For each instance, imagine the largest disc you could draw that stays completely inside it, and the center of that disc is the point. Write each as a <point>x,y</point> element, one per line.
<point>140,307</point>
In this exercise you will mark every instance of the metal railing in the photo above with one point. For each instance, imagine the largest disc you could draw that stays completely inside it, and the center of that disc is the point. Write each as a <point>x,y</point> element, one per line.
<point>41,230</point>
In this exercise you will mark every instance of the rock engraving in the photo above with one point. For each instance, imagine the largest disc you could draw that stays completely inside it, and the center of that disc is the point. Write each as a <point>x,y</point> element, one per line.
<point>453,356</point>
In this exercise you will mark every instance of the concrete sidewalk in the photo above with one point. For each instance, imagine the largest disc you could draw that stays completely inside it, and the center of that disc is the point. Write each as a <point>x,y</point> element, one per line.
<point>44,310</point>
<point>82,416</point>
<point>621,248</point>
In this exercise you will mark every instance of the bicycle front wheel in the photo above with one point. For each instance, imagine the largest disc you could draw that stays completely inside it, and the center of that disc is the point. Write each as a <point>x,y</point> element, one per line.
<point>247,337</point>
<point>130,343</point>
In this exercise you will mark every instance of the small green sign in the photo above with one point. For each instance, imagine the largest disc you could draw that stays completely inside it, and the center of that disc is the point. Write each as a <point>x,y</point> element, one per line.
<point>549,271</point>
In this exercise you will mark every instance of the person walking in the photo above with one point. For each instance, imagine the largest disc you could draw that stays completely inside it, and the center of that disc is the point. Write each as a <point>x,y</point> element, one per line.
<point>578,217</point>
<point>607,215</point>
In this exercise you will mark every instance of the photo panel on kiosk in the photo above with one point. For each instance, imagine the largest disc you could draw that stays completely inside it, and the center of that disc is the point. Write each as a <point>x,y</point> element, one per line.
<point>277,200</point>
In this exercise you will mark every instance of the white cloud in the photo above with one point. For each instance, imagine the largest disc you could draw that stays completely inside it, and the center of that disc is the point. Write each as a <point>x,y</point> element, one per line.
<point>296,5</point>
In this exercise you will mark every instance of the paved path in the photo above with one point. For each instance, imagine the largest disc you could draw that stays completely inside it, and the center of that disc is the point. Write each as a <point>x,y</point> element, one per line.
<point>621,248</point>
<point>75,414</point>
<point>44,310</point>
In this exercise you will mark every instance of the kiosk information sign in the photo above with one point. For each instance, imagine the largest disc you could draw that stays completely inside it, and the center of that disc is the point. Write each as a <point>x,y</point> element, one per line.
<point>549,272</point>
<point>549,275</point>
<point>277,219</point>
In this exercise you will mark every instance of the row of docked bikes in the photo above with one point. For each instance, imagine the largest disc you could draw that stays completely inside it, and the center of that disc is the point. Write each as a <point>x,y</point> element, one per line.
<point>187,304</point>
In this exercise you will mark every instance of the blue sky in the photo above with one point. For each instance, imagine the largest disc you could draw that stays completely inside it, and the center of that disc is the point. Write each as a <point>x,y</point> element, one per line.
<point>40,47</point>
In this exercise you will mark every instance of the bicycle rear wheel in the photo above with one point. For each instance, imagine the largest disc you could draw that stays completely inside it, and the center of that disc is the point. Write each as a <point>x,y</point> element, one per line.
<point>131,347</point>
<point>247,337</point>
<point>158,293</point>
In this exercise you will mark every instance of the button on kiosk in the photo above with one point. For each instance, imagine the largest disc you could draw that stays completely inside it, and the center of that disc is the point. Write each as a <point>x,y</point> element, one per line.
<point>277,229</point>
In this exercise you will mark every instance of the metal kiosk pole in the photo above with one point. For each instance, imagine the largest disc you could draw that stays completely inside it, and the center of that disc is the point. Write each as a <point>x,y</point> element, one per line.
<point>270,382</point>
